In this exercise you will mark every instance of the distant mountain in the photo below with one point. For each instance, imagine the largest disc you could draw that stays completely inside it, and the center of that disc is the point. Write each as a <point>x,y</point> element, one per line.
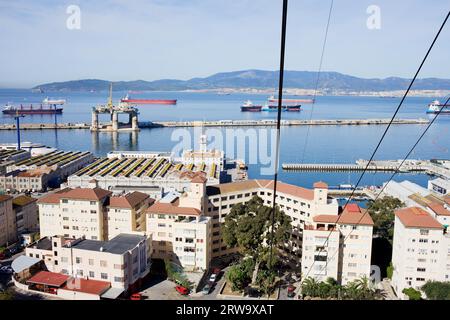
<point>256,79</point>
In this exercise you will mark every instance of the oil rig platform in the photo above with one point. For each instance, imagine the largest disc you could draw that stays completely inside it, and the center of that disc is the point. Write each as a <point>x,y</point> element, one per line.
<point>114,111</point>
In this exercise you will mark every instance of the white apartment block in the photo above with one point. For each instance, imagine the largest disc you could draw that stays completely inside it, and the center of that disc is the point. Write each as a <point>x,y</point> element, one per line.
<point>91,213</point>
<point>8,234</point>
<point>300,204</point>
<point>179,229</point>
<point>122,261</point>
<point>421,250</point>
<point>338,246</point>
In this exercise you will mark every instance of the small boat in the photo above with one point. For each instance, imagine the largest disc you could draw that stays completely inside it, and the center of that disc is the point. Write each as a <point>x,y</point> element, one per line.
<point>436,106</point>
<point>248,106</point>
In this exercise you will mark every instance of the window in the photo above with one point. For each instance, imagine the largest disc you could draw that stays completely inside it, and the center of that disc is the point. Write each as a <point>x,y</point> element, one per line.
<point>104,276</point>
<point>93,211</point>
<point>103,263</point>
<point>93,203</point>
<point>77,260</point>
<point>80,272</point>
<point>118,266</point>
<point>64,201</point>
<point>91,274</point>
<point>118,279</point>
<point>91,262</point>
<point>64,259</point>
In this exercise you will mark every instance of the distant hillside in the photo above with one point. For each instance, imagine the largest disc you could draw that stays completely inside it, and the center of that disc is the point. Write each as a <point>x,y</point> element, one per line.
<point>255,79</point>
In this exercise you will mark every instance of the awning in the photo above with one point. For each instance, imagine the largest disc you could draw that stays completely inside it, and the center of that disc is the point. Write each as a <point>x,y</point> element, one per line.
<point>23,262</point>
<point>49,279</point>
<point>112,293</point>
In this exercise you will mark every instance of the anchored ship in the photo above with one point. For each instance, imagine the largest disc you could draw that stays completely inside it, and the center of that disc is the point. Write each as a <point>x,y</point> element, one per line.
<point>248,106</point>
<point>435,106</point>
<point>128,99</point>
<point>274,99</point>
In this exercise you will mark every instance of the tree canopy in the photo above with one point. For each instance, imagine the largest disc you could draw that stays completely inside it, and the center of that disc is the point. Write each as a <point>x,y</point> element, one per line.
<point>382,212</point>
<point>436,290</point>
<point>248,227</point>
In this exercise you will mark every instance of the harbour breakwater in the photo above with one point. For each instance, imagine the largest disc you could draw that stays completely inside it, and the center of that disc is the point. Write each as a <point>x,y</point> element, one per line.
<point>223,123</point>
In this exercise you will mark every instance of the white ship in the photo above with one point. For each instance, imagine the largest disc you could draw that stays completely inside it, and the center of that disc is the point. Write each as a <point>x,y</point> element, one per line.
<point>54,101</point>
<point>435,106</point>
<point>35,149</point>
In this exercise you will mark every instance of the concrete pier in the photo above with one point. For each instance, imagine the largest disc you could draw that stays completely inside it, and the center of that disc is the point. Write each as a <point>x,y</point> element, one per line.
<point>135,125</point>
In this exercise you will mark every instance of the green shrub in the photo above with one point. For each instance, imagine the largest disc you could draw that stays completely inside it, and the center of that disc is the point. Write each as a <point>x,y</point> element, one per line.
<point>412,293</point>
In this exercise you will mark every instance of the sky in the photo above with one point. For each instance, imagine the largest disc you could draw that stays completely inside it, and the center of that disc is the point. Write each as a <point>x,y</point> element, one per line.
<point>182,39</point>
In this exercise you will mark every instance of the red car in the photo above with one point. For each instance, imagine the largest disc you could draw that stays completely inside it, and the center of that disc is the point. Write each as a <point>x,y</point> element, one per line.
<point>136,296</point>
<point>182,290</point>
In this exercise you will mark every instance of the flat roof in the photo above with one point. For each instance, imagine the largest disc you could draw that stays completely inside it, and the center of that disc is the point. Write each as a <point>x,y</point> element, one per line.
<point>117,245</point>
<point>49,278</point>
<point>112,293</point>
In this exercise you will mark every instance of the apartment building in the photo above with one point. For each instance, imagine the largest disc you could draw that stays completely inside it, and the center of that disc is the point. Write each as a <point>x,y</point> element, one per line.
<point>300,204</point>
<point>127,213</point>
<point>26,214</point>
<point>122,261</point>
<point>27,180</point>
<point>179,228</point>
<point>93,213</point>
<point>74,213</point>
<point>8,234</point>
<point>421,250</point>
<point>338,246</point>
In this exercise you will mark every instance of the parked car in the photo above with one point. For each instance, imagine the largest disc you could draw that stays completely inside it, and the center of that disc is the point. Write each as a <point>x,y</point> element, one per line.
<point>291,291</point>
<point>206,289</point>
<point>216,271</point>
<point>6,269</point>
<point>136,296</point>
<point>213,278</point>
<point>182,290</point>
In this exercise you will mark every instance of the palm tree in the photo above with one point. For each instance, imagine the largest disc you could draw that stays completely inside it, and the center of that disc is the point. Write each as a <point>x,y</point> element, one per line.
<point>310,287</point>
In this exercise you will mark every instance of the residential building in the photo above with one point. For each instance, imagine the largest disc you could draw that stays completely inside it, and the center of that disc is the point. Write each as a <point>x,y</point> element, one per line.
<point>421,248</point>
<point>122,261</point>
<point>26,213</point>
<point>338,245</point>
<point>300,204</point>
<point>8,234</point>
<point>179,228</point>
<point>93,213</point>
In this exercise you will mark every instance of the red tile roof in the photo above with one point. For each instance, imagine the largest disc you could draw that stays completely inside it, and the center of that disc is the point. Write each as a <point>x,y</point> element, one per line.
<point>87,286</point>
<point>415,217</point>
<point>352,214</point>
<point>320,185</point>
<point>199,179</point>
<point>94,194</point>
<point>172,208</point>
<point>129,200</point>
<point>266,185</point>
<point>439,209</point>
<point>49,278</point>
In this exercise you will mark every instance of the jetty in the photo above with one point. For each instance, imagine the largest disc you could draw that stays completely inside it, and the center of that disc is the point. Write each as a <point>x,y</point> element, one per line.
<point>220,123</point>
<point>432,167</point>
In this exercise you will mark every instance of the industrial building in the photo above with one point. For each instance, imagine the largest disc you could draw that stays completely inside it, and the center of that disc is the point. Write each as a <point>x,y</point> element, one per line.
<point>43,171</point>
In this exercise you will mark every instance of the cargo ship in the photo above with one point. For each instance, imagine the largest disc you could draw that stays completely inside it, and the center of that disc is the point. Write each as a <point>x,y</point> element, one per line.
<point>30,110</point>
<point>435,106</point>
<point>274,99</point>
<point>128,99</point>
<point>248,106</point>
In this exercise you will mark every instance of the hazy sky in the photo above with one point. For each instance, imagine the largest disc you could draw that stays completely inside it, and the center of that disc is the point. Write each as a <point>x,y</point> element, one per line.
<point>181,39</point>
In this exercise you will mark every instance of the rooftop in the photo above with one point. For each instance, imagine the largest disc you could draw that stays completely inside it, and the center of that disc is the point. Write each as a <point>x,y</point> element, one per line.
<point>415,217</point>
<point>352,214</point>
<point>49,278</point>
<point>4,197</point>
<point>285,188</point>
<point>23,200</point>
<point>172,208</point>
<point>94,194</point>
<point>87,286</point>
<point>117,245</point>
<point>439,209</point>
<point>129,200</point>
